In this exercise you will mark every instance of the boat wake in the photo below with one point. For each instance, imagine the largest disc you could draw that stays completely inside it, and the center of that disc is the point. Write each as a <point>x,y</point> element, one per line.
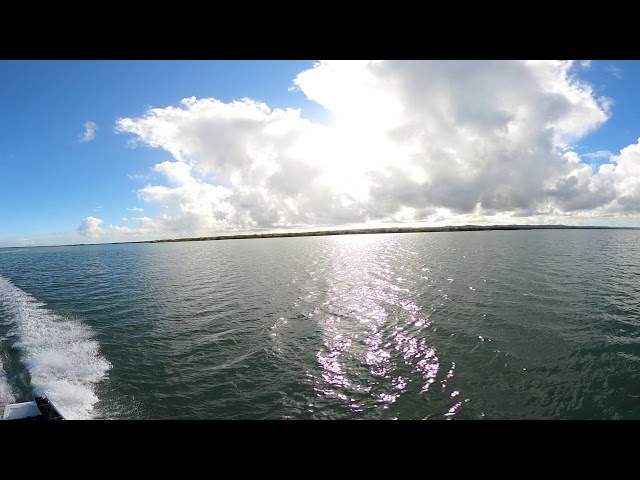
<point>60,355</point>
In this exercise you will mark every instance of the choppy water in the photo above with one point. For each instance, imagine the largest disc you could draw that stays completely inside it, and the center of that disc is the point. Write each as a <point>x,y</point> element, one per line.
<point>539,324</point>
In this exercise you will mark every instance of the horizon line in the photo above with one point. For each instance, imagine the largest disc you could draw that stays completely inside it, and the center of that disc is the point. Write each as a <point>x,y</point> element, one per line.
<point>351,231</point>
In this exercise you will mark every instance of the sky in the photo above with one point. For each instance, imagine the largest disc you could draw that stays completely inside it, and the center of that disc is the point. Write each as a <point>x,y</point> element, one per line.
<point>95,151</point>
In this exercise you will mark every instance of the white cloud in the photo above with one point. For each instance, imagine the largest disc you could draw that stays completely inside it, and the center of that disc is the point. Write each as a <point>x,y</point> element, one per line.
<point>137,177</point>
<point>625,174</point>
<point>91,227</point>
<point>135,209</point>
<point>437,142</point>
<point>615,71</point>
<point>599,154</point>
<point>89,132</point>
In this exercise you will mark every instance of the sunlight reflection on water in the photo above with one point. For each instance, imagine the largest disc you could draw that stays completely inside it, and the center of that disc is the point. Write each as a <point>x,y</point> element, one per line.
<point>375,338</point>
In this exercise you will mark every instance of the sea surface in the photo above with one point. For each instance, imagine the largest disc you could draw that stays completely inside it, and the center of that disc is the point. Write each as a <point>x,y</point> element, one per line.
<point>540,324</point>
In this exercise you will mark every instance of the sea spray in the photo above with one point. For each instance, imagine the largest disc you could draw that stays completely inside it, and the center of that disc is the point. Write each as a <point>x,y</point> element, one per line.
<point>6,394</point>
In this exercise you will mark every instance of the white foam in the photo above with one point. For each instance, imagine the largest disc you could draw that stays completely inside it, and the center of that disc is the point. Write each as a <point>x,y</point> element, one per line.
<point>6,395</point>
<point>62,357</point>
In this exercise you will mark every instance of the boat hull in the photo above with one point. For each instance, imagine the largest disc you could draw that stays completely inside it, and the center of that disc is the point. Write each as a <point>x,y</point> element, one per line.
<point>39,409</point>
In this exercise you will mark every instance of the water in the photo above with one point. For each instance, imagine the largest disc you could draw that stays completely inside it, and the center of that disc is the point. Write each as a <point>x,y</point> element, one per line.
<point>538,324</point>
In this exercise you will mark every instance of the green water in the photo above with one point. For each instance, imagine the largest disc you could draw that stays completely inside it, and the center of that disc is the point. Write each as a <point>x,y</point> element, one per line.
<point>450,325</point>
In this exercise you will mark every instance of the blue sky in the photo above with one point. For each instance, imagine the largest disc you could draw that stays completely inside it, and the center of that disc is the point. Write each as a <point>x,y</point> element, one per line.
<point>102,151</point>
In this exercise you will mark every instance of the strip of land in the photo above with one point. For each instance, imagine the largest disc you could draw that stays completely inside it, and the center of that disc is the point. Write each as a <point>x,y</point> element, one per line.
<point>461,228</point>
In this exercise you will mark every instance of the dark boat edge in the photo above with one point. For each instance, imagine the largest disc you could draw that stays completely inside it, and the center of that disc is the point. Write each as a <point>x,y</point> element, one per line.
<point>48,409</point>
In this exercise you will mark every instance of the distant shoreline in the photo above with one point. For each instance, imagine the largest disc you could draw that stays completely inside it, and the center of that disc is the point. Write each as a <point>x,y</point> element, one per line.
<point>462,228</point>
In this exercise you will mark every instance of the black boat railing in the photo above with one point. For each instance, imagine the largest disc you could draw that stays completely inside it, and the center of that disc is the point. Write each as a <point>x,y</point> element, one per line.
<point>47,409</point>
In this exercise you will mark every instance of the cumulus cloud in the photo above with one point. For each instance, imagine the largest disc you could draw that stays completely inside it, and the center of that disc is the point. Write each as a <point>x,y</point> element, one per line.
<point>410,141</point>
<point>625,171</point>
<point>89,132</point>
<point>91,227</point>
